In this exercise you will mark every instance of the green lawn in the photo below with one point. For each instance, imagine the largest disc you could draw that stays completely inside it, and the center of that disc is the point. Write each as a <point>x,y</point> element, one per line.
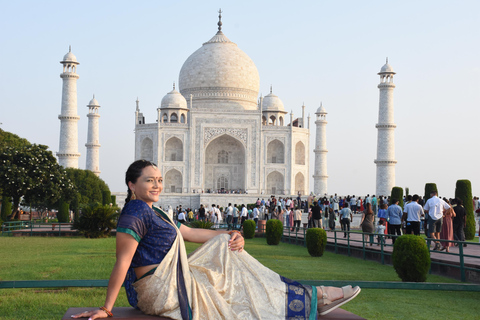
<point>53,258</point>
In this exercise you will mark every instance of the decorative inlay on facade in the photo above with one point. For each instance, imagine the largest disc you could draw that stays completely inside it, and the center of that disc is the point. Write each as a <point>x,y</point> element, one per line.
<point>279,170</point>
<point>170,135</point>
<point>211,133</point>
<point>385,161</point>
<point>168,168</point>
<point>63,117</point>
<point>271,138</point>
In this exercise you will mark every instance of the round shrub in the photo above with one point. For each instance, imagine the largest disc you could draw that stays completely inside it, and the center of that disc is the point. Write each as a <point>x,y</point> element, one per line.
<point>249,229</point>
<point>274,231</point>
<point>316,241</point>
<point>411,258</point>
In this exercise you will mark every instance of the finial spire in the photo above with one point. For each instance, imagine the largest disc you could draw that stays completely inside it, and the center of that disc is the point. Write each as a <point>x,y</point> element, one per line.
<point>70,48</point>
<point>270,89</point>
<point>219,19</point>
<point>94,96</point>
<point>387,60</point>
<point>173,85</point>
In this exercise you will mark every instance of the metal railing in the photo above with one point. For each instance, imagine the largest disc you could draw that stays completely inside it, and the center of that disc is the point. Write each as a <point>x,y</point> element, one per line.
<point>9,227</point>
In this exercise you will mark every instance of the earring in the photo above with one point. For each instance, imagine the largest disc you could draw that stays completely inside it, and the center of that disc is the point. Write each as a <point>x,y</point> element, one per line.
<point>134,197</point>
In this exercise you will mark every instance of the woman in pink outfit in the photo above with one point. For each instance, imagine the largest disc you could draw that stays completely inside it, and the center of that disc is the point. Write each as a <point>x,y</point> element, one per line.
<point>447,229</point>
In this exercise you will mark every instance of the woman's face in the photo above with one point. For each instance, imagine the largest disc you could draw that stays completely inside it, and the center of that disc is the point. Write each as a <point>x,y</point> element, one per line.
<point>148,185</point>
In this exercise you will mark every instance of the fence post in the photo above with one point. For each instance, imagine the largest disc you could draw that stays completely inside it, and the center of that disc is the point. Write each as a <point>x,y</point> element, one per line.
<point>462,262</point>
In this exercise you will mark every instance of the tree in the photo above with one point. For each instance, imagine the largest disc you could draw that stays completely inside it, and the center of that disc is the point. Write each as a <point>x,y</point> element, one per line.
<point>463,191</point>
<point>33,172</point>
<point>90,188</point>
<point>6,208</point>
<point>8,139</point>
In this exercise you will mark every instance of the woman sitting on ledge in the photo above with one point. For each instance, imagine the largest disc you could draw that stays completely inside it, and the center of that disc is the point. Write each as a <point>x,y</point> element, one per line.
<point>217,281</point>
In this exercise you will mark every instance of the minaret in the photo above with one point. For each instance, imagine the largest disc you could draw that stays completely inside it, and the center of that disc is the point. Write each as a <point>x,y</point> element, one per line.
<point>93,145</point>
<point>320,177</point>
<point>68,151</point>
<point>386,140</point>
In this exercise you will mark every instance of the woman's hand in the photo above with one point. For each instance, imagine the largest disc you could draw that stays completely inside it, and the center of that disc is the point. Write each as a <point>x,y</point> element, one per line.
<point>95,314</point>
<point>236,241</point>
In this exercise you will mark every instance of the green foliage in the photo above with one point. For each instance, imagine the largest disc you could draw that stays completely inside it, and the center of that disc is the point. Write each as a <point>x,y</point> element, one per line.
<point>32,172</point>
<point>249,229</point>
<point>63,214</point>
<point>6,208</point>
<point>463,191</point>
<point>316,241</point>
<point>8,139</point>
<point>274,231</point>
<point>96,221</point>
<point>411,258</point>
<point>89,188</point>
<point>407,191</point>
<point>114,200</point>
<point>429,187</point>
<point>106,197</point>
<point>397,193</point>
<point>201,224</point>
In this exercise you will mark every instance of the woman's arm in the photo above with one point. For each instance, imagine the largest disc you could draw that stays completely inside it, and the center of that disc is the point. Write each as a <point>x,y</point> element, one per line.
<point>126,246</point>
<point>236,241</point>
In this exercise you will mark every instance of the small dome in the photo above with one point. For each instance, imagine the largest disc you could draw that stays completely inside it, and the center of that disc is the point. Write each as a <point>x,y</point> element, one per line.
<point>321,110</point>
<point>93,102</point>
<point>387,69</point>
<point>272,103</point>
<point>69,57</point>
<point>174,99</point>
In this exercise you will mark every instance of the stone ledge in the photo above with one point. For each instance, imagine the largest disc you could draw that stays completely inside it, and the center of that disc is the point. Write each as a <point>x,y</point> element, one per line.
<point>133,314</point>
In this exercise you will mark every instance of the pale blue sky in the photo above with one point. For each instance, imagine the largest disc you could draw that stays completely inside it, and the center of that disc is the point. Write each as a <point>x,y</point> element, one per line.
<point>310,51</point>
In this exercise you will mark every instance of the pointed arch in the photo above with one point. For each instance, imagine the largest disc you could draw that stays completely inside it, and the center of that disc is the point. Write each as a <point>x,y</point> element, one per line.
<point>275,152</point>
<point>275,183</point>
<point>173,181</point>
<point>299,183</point>
<point>174,149</point>
<point>300,153</point>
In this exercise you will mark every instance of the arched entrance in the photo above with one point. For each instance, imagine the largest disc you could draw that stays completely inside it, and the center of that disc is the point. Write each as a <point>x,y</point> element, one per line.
<point>224,165</point>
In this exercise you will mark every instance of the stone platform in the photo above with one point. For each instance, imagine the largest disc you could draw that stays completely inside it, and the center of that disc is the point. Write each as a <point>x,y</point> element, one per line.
<point>133,314</point>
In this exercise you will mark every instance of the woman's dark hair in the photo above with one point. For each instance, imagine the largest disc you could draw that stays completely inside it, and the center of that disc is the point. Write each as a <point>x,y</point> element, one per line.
<point>134,171</point>
<point>459,201</point>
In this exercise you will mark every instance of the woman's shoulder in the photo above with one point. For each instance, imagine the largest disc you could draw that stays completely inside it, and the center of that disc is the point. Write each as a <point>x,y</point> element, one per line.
<point>136,208</point>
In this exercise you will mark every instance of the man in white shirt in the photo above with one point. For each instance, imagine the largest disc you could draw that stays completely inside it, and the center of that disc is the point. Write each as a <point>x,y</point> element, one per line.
<point>414,213</point>
<point>255,214</point>
<point>229,212</point>
<point>353,204</point>
<point>235,215</point>
<point>181,217</point>
<point>243,216</point>
<point>213,214</point>
<point>434,208</point>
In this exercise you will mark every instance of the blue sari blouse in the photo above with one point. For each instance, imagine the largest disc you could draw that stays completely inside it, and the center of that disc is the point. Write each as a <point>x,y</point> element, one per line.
<point>154,235</point>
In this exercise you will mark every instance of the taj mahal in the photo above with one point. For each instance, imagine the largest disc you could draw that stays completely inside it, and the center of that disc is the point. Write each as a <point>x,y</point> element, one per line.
<point>217,134</point>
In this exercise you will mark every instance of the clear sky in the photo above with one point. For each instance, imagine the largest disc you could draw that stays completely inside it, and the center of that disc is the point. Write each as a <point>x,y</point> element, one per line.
<point>309,51</point>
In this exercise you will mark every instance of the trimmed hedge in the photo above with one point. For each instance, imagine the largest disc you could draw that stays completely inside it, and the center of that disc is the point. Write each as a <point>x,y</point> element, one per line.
<point>274,231</point>
<point>463,191</point>
<point>114,200</point>
<point>316,241</point>
<point>411,258</point>
<point>249,229</point>
<point>6,208</point>
<point>63,214</point>
<point>397,193</point>
<point>429,187</point>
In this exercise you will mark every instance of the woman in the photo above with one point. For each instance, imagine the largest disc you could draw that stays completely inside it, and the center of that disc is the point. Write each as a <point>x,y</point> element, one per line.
<point>382,215</point>
<point>331,219</point>
<point>447,229</point>
<point>367,222</point>
<point>217,281</point>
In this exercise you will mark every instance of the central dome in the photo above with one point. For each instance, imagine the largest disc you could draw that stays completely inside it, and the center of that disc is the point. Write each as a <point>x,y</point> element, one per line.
<point>219,74</point>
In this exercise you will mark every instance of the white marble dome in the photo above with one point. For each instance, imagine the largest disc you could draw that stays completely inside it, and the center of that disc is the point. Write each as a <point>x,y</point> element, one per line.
<point>220,74</point>
<point>173,99</point>
<point>69,57</point>
<point>272,102</point>
<point>93,102</point>
<point>387,68</point>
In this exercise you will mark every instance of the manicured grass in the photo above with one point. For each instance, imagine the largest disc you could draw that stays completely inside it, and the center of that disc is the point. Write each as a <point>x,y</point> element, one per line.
<point>38,258</point>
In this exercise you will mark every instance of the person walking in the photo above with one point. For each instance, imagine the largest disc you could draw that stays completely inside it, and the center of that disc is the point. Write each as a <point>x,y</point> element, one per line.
<point>367,221</point>
<point>447,229</point>
<point>346,217</point>
<point>459,221</point>
<point>394,217</point>
<point>435,208</point>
